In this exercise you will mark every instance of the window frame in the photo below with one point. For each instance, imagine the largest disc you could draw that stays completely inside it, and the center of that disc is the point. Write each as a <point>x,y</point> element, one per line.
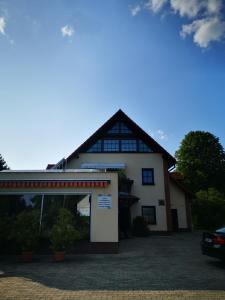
<point>154,214</point>
<point>98,146</point>
<point>108,146</point>
<point>119,128</point>
<point>141,145</point>
<point>153,177</point>
<point>126,143</point>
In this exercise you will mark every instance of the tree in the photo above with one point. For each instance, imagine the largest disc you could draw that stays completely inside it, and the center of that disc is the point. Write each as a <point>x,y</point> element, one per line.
<point>201,161</point>
<point>3,165</point>
<point>209,209</point>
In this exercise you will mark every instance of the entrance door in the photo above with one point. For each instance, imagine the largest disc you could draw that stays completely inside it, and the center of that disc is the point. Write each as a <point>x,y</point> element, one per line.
<point>175,225</point>
<point>124,221</point>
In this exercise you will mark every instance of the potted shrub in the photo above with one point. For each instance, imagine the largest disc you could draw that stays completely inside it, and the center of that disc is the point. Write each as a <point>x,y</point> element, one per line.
<point>63,234</point>
<point>26,233</point>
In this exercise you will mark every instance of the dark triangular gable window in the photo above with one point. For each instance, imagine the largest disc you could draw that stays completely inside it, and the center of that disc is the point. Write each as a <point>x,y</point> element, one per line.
<point>97,147</point>
<point>143,147</point>
<point>119,128</point>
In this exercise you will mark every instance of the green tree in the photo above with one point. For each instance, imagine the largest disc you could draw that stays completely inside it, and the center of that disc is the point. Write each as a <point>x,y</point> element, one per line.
<point>3,165</point>
<point>209,209</point>
<point>201,160</point>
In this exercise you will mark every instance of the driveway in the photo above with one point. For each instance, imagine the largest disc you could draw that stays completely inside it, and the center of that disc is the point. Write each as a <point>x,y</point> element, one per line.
<point>157,267</point>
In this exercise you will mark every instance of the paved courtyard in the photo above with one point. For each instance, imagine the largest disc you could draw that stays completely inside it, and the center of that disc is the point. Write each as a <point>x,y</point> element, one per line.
<point>158,267</point>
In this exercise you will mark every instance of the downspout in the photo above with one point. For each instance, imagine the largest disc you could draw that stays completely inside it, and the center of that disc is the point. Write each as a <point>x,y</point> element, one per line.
<point>41,215</point>
<point>167,195</point>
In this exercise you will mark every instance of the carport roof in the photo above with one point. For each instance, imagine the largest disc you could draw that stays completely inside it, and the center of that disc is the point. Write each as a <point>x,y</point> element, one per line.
<point>53,171</point>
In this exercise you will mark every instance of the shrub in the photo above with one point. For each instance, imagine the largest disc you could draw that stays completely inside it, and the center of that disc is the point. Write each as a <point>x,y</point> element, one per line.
<point>26,230</point>
<point>63,234</point>
<point>140,227</point>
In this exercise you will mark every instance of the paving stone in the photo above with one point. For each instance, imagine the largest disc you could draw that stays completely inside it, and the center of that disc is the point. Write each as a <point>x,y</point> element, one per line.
<point>157,267</point>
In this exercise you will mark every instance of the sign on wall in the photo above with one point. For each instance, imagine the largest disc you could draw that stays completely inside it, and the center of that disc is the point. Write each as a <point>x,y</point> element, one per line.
<point>105,201</point>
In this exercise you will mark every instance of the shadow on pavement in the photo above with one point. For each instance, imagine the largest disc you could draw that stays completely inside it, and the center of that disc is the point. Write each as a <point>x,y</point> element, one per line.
<point>154,263</point>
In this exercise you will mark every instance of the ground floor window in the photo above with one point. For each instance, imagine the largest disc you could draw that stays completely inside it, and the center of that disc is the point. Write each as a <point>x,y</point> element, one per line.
<point>149,213</point>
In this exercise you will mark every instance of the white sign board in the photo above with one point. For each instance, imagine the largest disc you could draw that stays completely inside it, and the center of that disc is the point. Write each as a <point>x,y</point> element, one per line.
<point>105,201</point>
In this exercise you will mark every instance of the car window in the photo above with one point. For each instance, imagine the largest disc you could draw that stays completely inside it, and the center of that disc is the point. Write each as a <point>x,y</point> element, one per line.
<point>222,230</point>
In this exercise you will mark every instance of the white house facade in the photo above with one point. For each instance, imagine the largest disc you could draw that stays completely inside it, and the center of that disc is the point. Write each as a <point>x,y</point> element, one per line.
<point>146,187</point>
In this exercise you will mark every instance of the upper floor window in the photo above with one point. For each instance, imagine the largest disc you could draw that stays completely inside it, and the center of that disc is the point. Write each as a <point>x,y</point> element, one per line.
<point>119,145</point>
<point>128,145</point>
<point>111,146</point>
<point>97,147</point>
<point>124,128</point>
<point>115,129</point>
<point>148,176</point>
<point>143,147</point>
<point>118,128</point>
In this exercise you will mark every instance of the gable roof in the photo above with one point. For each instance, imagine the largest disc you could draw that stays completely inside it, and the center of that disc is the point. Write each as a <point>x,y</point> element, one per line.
<point>177,179</point>
<point>120,116</point>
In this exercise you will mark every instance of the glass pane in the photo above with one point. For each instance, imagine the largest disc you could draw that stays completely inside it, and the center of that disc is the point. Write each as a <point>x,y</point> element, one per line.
<point>124,128</point>
<point>143,147</point>
<point>97,147</point>
<point>115,128</point>
<point>129,145</point>
<point>119,127</point>
<point>147,176</point>
<point>111,146</point>
<point>149,214</point>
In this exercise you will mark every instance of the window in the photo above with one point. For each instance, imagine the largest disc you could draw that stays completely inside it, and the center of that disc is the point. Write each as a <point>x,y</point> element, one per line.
<point>119,145</point>
<point>97,147</point>
<point>119,127</point>
<point>111,146</point>
<point>124,128</point>
<point>143,147</point>
<point>115,129</point>
<point>149,214</point>
<point>128,145</point>
<point>147,176</point>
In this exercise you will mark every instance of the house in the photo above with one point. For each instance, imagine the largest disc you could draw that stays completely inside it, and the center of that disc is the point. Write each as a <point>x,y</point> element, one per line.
<point>120,144</point>
<point>117,174</point>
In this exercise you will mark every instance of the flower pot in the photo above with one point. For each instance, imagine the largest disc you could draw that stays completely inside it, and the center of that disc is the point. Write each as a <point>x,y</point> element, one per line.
<point>59,256</point>
<point>27,256</point>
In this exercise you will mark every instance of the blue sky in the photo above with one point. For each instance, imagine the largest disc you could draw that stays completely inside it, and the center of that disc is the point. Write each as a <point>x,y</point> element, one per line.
<point>67,66</point>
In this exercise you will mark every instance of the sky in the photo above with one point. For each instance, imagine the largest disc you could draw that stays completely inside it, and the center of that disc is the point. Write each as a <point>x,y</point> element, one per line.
<point>66,66</point>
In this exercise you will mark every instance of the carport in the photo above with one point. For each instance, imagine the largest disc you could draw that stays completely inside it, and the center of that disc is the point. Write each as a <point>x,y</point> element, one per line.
<point>98,188</point>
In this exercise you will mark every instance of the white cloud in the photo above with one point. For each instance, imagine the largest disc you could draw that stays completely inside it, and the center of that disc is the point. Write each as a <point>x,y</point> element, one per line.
<point>135,10</point>
<point>205,31</point>
<point>207,23</point>
<point>158,134</point>
<point>155,5</point>
<point>188,8</point>
<point>67,31</point>
<point>192,8</point>
<point>214,6</point>
<point>162,135</point>
<point>2,25</point>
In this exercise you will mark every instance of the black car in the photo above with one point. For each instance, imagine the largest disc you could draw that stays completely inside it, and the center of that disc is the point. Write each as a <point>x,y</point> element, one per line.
<point>213,244</point>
